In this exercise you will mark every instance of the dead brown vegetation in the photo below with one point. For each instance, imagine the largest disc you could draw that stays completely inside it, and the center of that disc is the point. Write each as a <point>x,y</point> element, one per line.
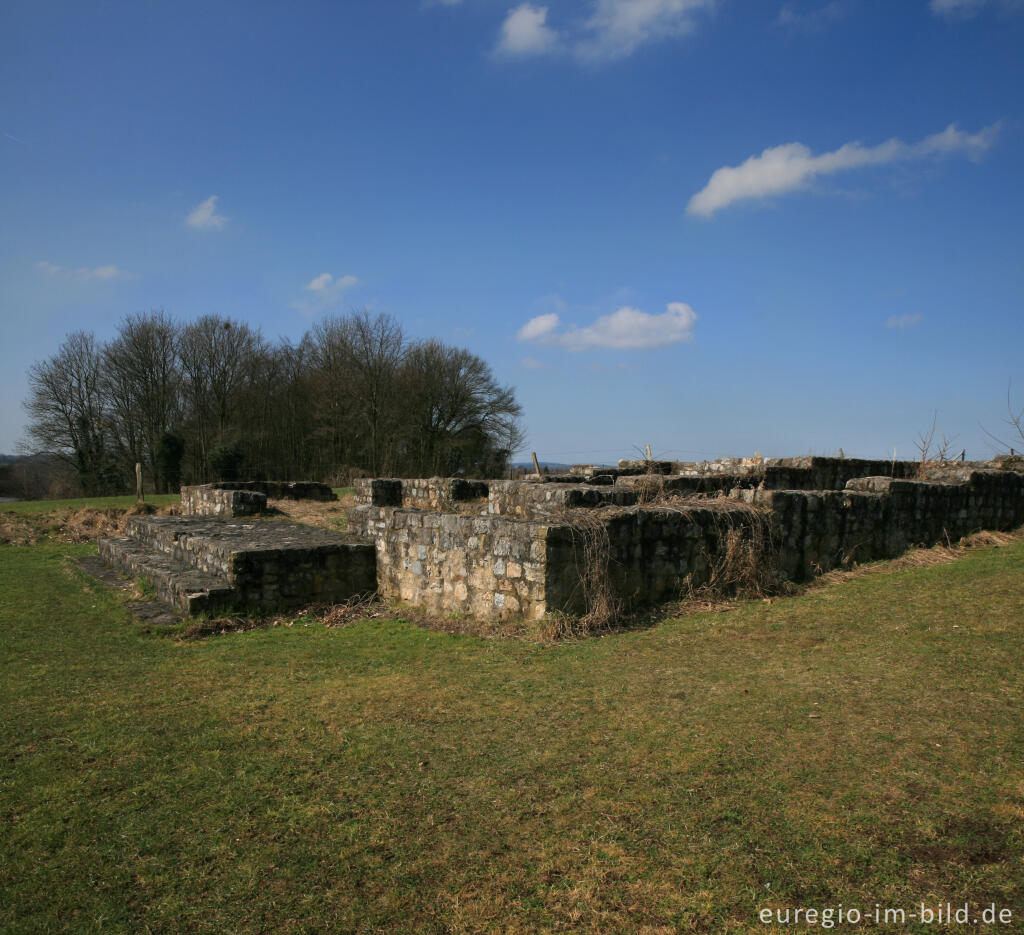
<point>917,558</point>
<point>68,525</point>
<point>593,556</point>
<point>329,514</point>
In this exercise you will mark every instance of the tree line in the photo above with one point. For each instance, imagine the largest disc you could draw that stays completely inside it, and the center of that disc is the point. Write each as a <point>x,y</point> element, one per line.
<point>211,399</point>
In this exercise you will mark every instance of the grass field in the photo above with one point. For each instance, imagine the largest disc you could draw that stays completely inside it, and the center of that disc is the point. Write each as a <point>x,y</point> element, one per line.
<point>862,744</point>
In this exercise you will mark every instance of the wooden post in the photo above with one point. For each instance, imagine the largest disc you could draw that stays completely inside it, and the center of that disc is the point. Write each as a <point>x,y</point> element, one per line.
<point>647,448</point>
<point>536,463</point>
<point>138,483</point>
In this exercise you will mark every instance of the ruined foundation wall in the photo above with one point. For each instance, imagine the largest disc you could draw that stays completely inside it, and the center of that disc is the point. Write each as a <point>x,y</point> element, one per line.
<point>775,474</point>
<point>487,567</point>
<point>246,498</point>
<point>494,568</point>
<point>527,555</point>
<point>529,500</point>
<point>271,566</point>
<point>211,500</point>
<point>880,518</point>
<point>656,553</point>
<point>420,493</point>
<point>283,489</point>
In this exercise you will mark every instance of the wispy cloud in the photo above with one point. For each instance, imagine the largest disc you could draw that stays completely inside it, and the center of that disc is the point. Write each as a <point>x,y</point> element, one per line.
<point>531,363</point>
<point>322,292</point>
<point>204,216</point>
<point>965,9</point>
<point>791,17</point>
<point>617,28</point>
<point>792,166</point>
<point>11,136</point>
<point>611,30</point>
<point>627,328</point>
<point>83,273</point>
<point>902,322</point>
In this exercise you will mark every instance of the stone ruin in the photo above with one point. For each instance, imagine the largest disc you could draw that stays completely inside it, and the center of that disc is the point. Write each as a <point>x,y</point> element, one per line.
<point>219,556</point>
<point>504,550</point>
<point>247,498</point>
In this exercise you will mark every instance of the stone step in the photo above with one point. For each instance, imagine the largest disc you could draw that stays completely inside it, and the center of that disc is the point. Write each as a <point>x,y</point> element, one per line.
<point>269,565</point>
<point>186,588</point>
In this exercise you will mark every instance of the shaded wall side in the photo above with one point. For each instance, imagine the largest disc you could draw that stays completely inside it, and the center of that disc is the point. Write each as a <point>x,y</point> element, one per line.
<point>821,530</point>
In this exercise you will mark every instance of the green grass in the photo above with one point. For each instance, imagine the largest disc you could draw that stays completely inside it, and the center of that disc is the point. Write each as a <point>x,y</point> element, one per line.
<point>861,744</point>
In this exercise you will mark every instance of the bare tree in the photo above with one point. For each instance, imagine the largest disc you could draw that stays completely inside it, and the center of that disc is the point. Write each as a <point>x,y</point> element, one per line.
<point>67,411</point>
<point>924,444</point>
<point>217,358</point>
<point>460,418</point>
<point>376,349</point>
<point>142,380</point>
<point>328,352</point>
<point>353,396</point>
<point>1015,425</point>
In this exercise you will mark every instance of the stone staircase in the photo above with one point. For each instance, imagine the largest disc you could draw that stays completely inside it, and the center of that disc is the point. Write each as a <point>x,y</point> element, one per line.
<point>204,564</point>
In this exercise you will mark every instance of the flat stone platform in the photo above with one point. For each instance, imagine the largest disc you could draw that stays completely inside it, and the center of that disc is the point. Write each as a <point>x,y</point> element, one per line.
<point>205,564</point>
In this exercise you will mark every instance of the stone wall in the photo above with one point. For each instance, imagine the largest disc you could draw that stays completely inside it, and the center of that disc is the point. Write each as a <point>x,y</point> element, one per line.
<point>497,568</point>
<point>525,557</point>
<point>530,499</point>
<point>269,565</point>
<point>212,500</point>
<point>283,489</point>
<point>881,517</point>
<point>487,567</point>
<point>809,473</point>
<point>655,551</point>
<point>246,498</point>
<point>423,493</point>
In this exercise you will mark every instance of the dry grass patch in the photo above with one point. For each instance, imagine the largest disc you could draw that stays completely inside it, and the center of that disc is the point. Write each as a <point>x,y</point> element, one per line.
<point>70,525</point>
<point>331,514</point>
<point>919,558</point>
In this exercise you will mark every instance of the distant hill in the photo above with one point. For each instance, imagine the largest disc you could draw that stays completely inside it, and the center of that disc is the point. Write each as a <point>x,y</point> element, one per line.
<point>555,466</point>
<point>8,459</point>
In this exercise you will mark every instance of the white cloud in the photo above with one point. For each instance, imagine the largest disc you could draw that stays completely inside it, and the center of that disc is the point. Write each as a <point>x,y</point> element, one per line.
<point>531,363</point>
<point>321,292</point>
<point>792,166</point>
<point>538,327</point>
<point>617,28</point>
<point>627,328</point>
<point>204,216</point>
<point>904,321</point>
<point>614,29</point>
<point>83,273</point>
<point>526,32</point>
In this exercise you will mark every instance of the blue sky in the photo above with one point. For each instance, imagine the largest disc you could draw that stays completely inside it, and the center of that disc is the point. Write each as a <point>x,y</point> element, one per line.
<point>711,227</point>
